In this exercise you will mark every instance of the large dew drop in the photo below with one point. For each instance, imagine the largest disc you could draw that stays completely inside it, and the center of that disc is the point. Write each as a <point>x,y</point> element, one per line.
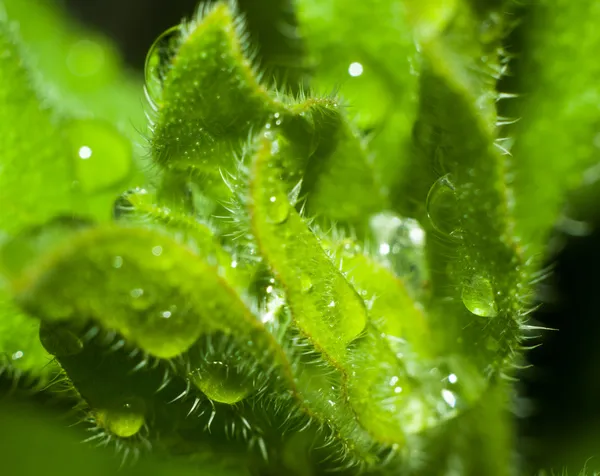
<point>401,243</point>
<point>102,156</point>
<point>124,421</point>
<point>159,60</point>
<point>125,206</point>
<point>478,297</point>
<point>278,209</point>
<point>442,207</point>
<point>59,341</point>
<point>221,382</point>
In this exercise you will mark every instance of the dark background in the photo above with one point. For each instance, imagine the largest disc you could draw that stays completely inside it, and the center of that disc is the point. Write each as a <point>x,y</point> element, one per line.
<point>559,397</point>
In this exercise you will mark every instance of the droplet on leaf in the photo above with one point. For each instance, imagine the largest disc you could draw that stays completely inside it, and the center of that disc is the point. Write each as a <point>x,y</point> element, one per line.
<point>125,420</point>
<point>478,297</point>
<point>102,155</point>
<point>59,341</point>
<point>221,382</point>
<point>401,243</point>
<point>278,209</point>
<point>159,60</point>
<point>124,205</point>
<point>442,206</point>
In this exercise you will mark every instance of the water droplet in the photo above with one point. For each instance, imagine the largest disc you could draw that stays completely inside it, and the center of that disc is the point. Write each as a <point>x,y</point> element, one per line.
<point>124,421</point>
<point>157,250</point>
<point>17,355</point>
<point>58,340</point>
<point>124,205</point>
<point>306,283</point>
<point>102,155</point>
<point>221,382</point>
<point>442,206</point>
<point>478,297</point>
<point>140,300</point>
<point>401,244</point>
<point>158,61</point>
<point>278,209</point>
<point>355,69</point>
<point>117,262</point>
<point>449,397</point>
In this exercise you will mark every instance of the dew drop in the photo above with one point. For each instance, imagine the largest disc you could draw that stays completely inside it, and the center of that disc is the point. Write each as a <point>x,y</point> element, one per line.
<point>449,397</point>
<point>442,207</point>
<point>306,283</point>
<point>124,207</point>
<point>102,155</point>
<point>401,245</point>
<point>355,69</point>
<point>478,297</point>
<point>159,59</point>
<point>278,209</point>
<point>59,341</point>
<point>125,420</point>
<point>221,382</point>
<point>140,300</point>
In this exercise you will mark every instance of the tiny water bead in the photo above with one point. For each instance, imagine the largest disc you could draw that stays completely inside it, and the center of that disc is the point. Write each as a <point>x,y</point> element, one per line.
<point>355,69</point>
<point>125,205</point>
<point>306,283</point>
<point>125,420</point>
<point>221,382</point>
<point>159,59</point>
<point>400,242</point>
<point>278,209</point>
<point>58,340</point>
<point>442,207</point>
<point>478,296</point>
<point>102,155</point>
<point>362,86</point>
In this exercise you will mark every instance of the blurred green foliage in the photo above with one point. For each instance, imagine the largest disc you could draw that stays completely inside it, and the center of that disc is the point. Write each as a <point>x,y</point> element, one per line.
<point>323,260</point>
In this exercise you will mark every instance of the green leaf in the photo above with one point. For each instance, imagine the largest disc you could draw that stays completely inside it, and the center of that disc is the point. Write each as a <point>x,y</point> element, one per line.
<point>556,144</point>
<point>480,283</point>
<point>36,173</point>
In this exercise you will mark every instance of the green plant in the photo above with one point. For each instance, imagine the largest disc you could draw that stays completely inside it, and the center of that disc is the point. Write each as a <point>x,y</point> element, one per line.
<point>293,282</point>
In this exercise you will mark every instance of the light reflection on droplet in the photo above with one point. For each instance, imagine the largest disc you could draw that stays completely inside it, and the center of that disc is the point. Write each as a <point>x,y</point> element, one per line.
<point>117,262</point>
<point>355,69</point>
<point>452,378</point>
<point>136,293</point>
<point>384,249</point>
<point>166,314</point>
<point>449,397</point>
<point>417,235</point>
<point>17,355</point>
<point>85,152</point>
